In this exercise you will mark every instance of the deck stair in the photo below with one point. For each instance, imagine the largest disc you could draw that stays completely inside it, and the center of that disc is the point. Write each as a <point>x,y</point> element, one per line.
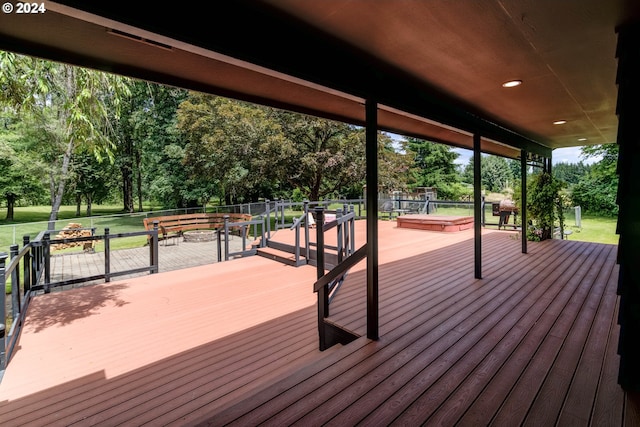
<point>297,245</point>
<point>280,255</point>
<point>282,251</point>
<point>285,253</point>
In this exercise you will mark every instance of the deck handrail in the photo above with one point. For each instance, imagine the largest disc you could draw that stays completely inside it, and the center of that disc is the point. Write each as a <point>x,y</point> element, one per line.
<point>297,225</point>
<point>328,283</point>
<point>225,231</point>
<point>35,259</point>
<point>341,269</point>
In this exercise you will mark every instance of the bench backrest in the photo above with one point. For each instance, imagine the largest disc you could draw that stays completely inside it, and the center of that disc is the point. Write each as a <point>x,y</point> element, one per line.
<point>193,220</point>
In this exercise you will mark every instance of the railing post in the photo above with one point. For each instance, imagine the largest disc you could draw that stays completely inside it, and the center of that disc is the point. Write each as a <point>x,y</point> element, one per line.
<point>323,294</point>
<point>267,209</point>
<point>243,235</point>
<point>154,248</point>
<point>352,226</point>
<point>226,237</point>
<point>26,265</point>
<point>305,206</point>
<point>296,249</point>
<point>319,241</point>
<point>15,284</point>
<point>484,218</point>
<point>3,314</point>
<point>35,264</point>
<point>340,236</point>
<point>107,256</point>
<point>427,204</point>
<point>47,262</point>
<point>345,228</point>
<point>219,244</point>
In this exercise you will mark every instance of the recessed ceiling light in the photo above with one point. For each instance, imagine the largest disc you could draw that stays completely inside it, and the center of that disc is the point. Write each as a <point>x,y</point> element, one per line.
<point>582,139</point>
<point>512,83</point>
<point>559,122</point>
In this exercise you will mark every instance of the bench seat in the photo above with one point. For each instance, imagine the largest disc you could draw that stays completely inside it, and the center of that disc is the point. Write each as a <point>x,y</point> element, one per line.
<point>177,224</point>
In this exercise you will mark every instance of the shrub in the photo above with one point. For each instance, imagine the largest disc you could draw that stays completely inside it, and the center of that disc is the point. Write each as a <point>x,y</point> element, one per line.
<point>544,206</point>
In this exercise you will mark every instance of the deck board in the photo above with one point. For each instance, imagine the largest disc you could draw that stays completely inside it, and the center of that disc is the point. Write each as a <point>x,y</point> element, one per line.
<point>434,361</point>
<point>494,374</point>
<point>511,388</point>
<point>532,343</point>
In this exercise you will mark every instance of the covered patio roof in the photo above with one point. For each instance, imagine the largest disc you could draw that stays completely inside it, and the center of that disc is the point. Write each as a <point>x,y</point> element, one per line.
<point>430,69</point>
<point>435,68</point>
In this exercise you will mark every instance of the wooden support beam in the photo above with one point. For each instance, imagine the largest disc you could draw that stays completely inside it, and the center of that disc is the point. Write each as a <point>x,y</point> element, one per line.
<point>628,107</point>
<point>523,198</point>
<point>371,150</point>
<point>477,206</point>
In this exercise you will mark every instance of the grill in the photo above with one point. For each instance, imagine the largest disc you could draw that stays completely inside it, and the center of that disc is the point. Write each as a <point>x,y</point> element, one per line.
<point>504,210</point>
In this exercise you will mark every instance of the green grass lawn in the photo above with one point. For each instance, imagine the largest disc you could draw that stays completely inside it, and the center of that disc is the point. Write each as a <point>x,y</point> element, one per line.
<point>31,220</point>
<point>34,219</point>
<point>594,229</point>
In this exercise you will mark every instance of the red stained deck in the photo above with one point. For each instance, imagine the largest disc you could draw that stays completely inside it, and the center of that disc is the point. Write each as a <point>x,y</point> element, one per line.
<point>435,222</point>
<point>532,343</point>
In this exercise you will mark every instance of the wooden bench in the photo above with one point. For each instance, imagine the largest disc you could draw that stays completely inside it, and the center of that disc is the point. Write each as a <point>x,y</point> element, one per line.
<point>177,224</point>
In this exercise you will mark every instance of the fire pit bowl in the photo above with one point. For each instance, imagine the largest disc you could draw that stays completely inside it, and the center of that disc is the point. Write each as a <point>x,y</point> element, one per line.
<point>199,236</point>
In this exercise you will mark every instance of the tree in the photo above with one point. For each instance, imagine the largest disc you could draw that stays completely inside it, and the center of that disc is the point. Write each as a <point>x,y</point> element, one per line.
<point>19,177</point>
<point>147,125</point>
<point>243,151</point>
<point>91,180</point>
<point>596,192</point>
<point>71,106</point>
<point>233,150</point>
<point>571,173</point>
<point>497,174</point>
<point>21,173</point>
<point>394,167</point>
<point>434,166</point>
<point>326,157</point>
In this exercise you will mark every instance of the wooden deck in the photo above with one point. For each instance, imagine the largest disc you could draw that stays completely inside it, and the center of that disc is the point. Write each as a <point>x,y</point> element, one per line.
<point>444,223</point>
<point>532,343</point>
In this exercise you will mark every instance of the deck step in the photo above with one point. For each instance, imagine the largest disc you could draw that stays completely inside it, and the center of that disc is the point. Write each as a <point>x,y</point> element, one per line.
<point>281,256</point>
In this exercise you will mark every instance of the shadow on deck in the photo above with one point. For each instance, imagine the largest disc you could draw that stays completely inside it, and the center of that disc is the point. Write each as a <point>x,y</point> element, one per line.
<point>533,342</point>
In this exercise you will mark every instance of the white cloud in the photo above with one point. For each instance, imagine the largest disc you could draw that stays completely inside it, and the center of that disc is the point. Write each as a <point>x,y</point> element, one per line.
<point>463,156</point>
<point>571,155</point>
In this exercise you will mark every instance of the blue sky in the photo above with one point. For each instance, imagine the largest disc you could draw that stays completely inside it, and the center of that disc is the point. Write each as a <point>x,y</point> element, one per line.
<point>559,155</point>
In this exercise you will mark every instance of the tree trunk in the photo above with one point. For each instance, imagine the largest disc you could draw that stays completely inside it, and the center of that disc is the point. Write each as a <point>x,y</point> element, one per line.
<point>59,192</point>
<point>52,187</point>
<point>11,200</point>
<point>89,205</point>
<point>139,180</point>
<point>78,204</point>
<point>127,188</point>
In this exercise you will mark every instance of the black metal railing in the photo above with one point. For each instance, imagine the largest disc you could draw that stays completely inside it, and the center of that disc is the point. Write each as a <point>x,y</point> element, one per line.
<point>34,262</point>
<point>296,227</point>
<point>343,221</point>
<point>397,206</point>
<point>106,238</point>
<point>329,282</point>
<point>243,227</point>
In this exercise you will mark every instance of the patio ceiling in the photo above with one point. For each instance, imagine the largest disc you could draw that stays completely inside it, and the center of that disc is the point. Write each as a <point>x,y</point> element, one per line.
<point>435,67</point>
